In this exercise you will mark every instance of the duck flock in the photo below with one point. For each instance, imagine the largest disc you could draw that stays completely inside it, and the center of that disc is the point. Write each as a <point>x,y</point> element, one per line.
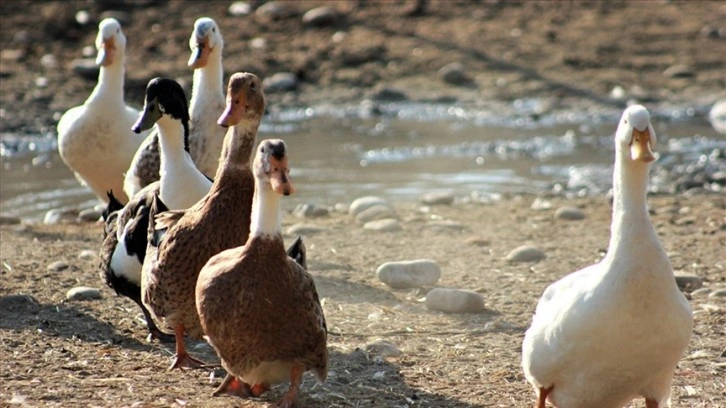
<point>193,236</point>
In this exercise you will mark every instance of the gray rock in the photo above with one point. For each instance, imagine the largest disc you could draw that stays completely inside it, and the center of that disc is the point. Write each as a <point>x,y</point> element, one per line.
<point>85,68</point>
<point>679,71</point>
<point>687,282</point>
<point>387,94</point>
<point>361,204</point>
<point>87,255</point>
<point>48,61</point>
<point>700,292</point>
<point>321,17</point>
<point>305,229</point>
<point>310,211</point>
<point>58,216</point>
<point>454,73</point>
<point>57,266</point>
<point>8,220</point>
<point>89,215</point>
<point>384,225</point>
<point>540,204</point>
<point>718,293</point>
<point>454,300</point>
<point>239,9</point>
<point>409,274</point>
<point>477,241</point>
<point>569,213</point>
<point>376,212</point>
<point>280,82</point>
<point>383,348</point>
<point>444,225</point>
<point>525,253</point>
<point>437,198</point>
<point>83,293</point>
<point>276,10</point>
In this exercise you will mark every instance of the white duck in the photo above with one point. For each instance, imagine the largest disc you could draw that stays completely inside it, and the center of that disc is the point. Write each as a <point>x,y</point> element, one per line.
<point>181,186</point>
<point>613,331</point>
<point>207,104</point>
<point>95,139</point>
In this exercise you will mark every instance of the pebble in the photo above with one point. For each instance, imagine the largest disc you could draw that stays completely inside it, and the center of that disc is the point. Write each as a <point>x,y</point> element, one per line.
<point>437,198</point>
<point>409,274</point>
<point>383,93</point>
<point>87,255</point>
<point>57,266</point>
<point>540,204</point>
<point>89,215</point>
<point>361,204</point>
<point>687,282</point>
<point>57,216</point>
<point>477,241</point>
<point>275,10</point>
<point>569,213</point>
<point>310,211</point>
<point>12,55</point>
<point>444,225</point>
<point>376,212</point>
<point>384,225</point>
<point>8,220</point>
<point>304,229</point>
<point>258,43</point>
<point>449,300</point>
<point>454,73</point>
<point>239,9</point>
<point>48,61</point>
<point>679,71</point>
<point>383,348</point>
<point>701,292</point>
<point>280,82</point>
<point>85,68</point>
<point>525,253</point>
<point>83,293</point>
<point>320,17</point>
<point>718,293</point>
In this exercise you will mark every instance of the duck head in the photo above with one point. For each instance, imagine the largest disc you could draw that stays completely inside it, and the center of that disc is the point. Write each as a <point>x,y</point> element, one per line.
<point>271,169</point>
<point>245,99</point>
<point>206,38</point>
<point>635,137</point>
<point>164,96</point>
<point>109,42</point>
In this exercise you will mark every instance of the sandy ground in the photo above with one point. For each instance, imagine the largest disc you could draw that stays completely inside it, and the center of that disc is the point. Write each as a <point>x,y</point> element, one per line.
<point>67,353</point>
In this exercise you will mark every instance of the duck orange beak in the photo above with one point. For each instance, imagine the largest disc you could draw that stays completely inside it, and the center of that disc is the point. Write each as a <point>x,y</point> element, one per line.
<point>106,53</point>
<point>280,178</point>
<point>200,54</point>
<point>640,146</point>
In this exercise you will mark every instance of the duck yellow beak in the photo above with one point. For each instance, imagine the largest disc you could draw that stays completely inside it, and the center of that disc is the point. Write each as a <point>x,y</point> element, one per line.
<point>640,146</point>
<point>106,53</point>
<point>200,54</point>
<point>280,178</point>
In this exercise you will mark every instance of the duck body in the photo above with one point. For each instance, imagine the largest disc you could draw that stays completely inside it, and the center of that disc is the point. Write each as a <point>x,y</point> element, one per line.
<point>207,103</point>
<point>613,331</point>
<point>257,305</point>
<point>219,221</point>
<point>95,139</point>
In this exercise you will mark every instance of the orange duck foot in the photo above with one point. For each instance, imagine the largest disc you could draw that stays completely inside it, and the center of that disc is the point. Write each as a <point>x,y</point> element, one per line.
<point>288,401</point>
<point>543,393</point>
<point>232,385</point>
<point>186,361</point>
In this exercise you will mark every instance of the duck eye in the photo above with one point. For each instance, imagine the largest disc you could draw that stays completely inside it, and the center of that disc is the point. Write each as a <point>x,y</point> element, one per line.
<point>253,86</point>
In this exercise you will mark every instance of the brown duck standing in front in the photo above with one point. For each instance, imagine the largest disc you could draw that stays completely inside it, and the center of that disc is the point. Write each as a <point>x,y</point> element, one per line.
<point>259,307</point>
<point>181,242</point>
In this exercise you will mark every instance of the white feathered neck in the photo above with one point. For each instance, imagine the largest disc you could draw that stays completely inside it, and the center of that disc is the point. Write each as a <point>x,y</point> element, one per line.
<point>110,87</point>
<point>266,215</point>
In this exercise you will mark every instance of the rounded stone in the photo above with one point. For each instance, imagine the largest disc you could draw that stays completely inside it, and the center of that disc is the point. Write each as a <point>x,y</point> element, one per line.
<point>57,266</point>
<point>569,213</point>
<point>87,255</point>
<point>525,253</point>
<point>444,226</point>
<point>276,10</point>
<point>454,73</point>
<point>280,82</point>
<point>58,216</point>
<point>383,348</point>
<point>360,204</point>
<point>384,225</point>
<point>687,282</point>
<point>85,68</point>
<point>89,215</point>
<point>376,212</point>
<point>437,198</point>
<point>540,204</point>
<point>239,8</point>
<point>449,300</point>
<point>409,274</point>
<point>718,293</point>
<point>305,229</point>
<point>83,293</point>
<point>320,17</point>
<point>8,220</point>
<point>679,71</point>
<point>310,211</point>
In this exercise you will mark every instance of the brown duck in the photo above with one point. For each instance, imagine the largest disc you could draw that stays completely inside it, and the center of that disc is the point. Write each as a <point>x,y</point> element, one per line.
<point>181,242</point>
<point>258,306</point>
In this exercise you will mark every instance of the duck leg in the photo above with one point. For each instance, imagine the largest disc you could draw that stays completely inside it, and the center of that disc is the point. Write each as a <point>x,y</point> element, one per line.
<point>649,403</point>
<point>182,358</point>
<point>232,385</point>
<point>288,401</point>
<point>543,393</point>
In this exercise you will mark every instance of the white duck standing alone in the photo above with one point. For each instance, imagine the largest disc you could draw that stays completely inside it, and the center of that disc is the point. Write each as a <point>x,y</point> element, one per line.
<point>95,139</point>
<point>613,331</point>
<point>181,185</point>
<point>259,307</point>
<point>207,103</point>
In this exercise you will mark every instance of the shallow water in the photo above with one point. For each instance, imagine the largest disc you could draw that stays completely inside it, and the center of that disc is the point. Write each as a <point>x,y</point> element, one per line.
<point>399,152</point>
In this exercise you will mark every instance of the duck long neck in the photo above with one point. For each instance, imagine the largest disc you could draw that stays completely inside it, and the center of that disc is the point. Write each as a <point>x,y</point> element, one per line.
<point>173,136</point>
<point>630,210</point>
<point>266,215</point>
<point>207,82</point>
<point>239,143</point>
<point>110,85</point>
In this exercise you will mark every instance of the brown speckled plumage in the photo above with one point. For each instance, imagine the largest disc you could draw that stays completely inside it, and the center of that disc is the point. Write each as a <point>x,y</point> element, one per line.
<point>219,221</point>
